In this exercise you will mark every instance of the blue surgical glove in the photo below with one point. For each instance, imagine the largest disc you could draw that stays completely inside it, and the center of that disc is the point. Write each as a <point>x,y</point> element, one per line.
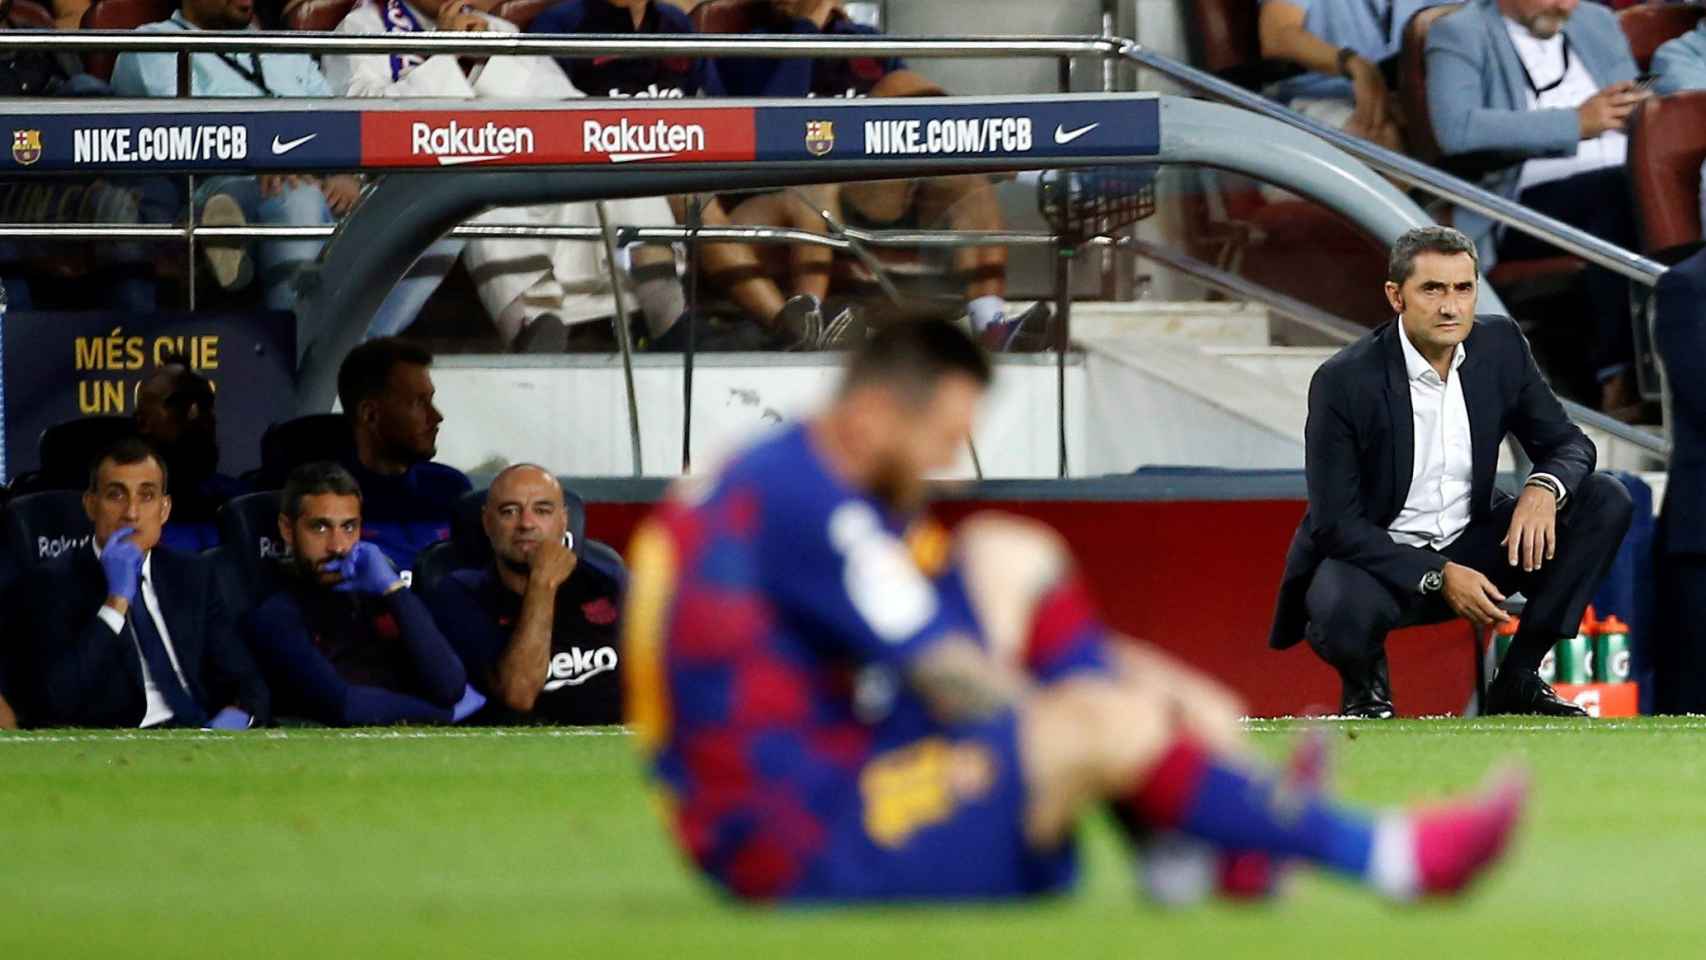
<point>121,561</point>
<point>230,718</point>
<point>472,700</point>
<point>366,570</point>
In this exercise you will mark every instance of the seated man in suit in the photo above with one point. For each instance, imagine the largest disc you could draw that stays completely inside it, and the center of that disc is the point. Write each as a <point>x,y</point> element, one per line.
<point>386,392</point>
<point>345,642</point>
<point>537,629</point>
<point>175,413</point>
<point>1538,93</point>
<point>1404,525</point>
<point>128,633</point>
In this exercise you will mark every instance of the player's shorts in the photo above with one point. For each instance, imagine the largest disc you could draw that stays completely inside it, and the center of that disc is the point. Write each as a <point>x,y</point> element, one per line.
<point>911,835</point>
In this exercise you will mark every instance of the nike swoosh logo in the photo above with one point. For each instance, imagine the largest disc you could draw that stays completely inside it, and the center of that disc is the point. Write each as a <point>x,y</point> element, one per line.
<point>285,146</point>
<point>1064,136</point>
<point>631,157</point>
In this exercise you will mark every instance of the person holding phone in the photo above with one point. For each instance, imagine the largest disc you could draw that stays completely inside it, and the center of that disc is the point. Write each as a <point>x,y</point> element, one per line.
<point>538,628</point>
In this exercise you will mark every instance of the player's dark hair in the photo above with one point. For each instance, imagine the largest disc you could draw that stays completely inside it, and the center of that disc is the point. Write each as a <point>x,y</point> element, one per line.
<point>1429,239</point>
<point>367,369</point>
<point>915,357</point>
<point>314,480</point>
<point>123,452</point>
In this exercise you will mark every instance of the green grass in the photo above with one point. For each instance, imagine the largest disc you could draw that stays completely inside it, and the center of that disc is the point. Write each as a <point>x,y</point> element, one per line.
<point>543,843</point>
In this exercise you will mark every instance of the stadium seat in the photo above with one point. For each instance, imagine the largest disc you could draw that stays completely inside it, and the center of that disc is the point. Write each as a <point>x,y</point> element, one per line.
<point>66,450</point>
<point>38,527</point>
<point>521,12</point>
<point>1667,142</point>
<point>1648,25</point>
<point>1413,85</point>
<point>228,580</point>
<point>119,15</point>
<point>248,531</point>
<point>606,560</point>
<point>1225,40</point>
<point>434,564</point>
<point>286,446</point>
<point>320,15</point>
<point>29,15</point>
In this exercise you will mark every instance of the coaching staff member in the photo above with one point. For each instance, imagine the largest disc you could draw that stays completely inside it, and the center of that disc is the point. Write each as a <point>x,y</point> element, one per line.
<point>538,628</point>
<point>128,633</point>
<point>1404,525</point>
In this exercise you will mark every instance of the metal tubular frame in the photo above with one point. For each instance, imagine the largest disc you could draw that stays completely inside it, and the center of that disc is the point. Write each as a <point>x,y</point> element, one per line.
<point>1062,49</point>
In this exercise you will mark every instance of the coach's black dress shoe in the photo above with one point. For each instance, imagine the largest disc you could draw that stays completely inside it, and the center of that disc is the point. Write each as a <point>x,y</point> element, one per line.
<point>1523,692</point>
<point>1367,692</point>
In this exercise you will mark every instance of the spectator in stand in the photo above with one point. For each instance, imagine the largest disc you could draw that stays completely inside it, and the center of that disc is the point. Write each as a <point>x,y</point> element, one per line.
<point>1348,51</point>
<point>129,633</point>
<point>175,413</point>
<point>1538,93</point>
<point>386,392</point>
<point>538,628</point>
<point>345,642</point>
<point>656,284</point>
<point>963,203</point>
<point>1680,64</point>
<point>522,283</point>
<point>68,14</point>
<point>271,199</point>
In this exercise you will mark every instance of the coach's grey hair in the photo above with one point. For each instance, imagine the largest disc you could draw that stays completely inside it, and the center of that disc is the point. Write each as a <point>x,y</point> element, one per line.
<point>1429,239</point>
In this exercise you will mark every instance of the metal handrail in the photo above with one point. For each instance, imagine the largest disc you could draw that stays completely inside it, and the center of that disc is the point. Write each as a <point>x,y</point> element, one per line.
<point>1413,172</point>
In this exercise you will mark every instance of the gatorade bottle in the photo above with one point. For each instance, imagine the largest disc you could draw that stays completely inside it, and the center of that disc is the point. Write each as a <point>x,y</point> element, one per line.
<point>1575,654</point>
<point>1502,635</point>
<point>1611,651</point>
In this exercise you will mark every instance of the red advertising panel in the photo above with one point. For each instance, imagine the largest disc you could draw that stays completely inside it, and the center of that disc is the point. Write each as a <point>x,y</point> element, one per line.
<point>448,138</point>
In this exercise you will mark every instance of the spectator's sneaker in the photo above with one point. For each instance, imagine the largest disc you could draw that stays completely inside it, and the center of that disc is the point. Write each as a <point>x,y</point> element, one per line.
<point>799,326</point>
<point>1003,335</point>
<point>228,259</point>
<point>545,333</point>
<point>1036,329</point>
<point>845,332</point>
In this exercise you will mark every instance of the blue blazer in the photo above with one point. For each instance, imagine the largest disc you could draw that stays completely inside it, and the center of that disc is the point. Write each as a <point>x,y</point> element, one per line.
<point>1679,328</point>
<point>1680,64</point>
<point>78,673</point>
<point>1359,449</point>
<point>1478,97</point>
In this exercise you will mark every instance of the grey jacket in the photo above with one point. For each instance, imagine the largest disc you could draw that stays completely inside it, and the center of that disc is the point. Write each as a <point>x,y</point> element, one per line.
<point>1478,96</point>
<point>1680,64</point>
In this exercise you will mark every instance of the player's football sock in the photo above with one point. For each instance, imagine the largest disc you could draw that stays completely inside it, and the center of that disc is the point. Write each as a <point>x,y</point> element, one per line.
<point>1256,875</point>
<point>985,311</point>
<point>1066,636</point>
<point>1401,856</point>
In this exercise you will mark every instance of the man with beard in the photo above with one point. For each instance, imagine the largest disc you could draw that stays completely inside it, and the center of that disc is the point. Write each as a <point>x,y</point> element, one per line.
<point>346,643</point>
<point>1535,95</point>
<point>175,413</point>
<point>537,629</point>
<point>835,714</point>
<point>386,392</point>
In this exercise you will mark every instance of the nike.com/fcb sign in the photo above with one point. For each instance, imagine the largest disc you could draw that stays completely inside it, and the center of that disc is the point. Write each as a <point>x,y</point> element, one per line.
<point>343,137</point>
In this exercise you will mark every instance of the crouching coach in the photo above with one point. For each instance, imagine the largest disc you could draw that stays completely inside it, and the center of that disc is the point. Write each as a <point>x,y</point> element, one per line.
<point>1405,526</point>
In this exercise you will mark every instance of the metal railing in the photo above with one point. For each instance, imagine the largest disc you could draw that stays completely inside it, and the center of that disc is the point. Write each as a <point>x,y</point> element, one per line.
<point>1062,49</point>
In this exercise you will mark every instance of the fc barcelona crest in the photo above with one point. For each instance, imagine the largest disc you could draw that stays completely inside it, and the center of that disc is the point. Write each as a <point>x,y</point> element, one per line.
<point>26,146</point>
<point>820,137</point>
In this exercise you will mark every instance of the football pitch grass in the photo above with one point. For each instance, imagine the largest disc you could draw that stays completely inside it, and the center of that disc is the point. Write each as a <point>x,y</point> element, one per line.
<point>506,844</point>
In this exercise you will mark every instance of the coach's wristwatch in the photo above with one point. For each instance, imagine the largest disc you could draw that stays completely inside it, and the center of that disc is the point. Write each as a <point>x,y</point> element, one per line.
<point>1432,582</point>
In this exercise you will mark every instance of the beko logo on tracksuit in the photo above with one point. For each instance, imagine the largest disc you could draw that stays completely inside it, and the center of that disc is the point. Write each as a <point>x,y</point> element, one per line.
<point>571,668</point>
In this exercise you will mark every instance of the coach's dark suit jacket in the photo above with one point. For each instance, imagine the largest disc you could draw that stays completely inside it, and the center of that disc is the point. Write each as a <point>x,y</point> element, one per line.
<point>79,673</point>
<point>1359,452</point>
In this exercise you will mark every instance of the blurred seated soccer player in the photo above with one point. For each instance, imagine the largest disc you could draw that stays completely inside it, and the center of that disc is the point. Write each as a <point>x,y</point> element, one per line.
<point>129,633</point>
<point>386,392</point>
<point>960,203</point>
<point>844,704</point>
<point>271,199</point>
<point>175,413</point>
<point>1347,50</point>
<point>346,642</point>
<point>537,629</point>
<point>656,284</point>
